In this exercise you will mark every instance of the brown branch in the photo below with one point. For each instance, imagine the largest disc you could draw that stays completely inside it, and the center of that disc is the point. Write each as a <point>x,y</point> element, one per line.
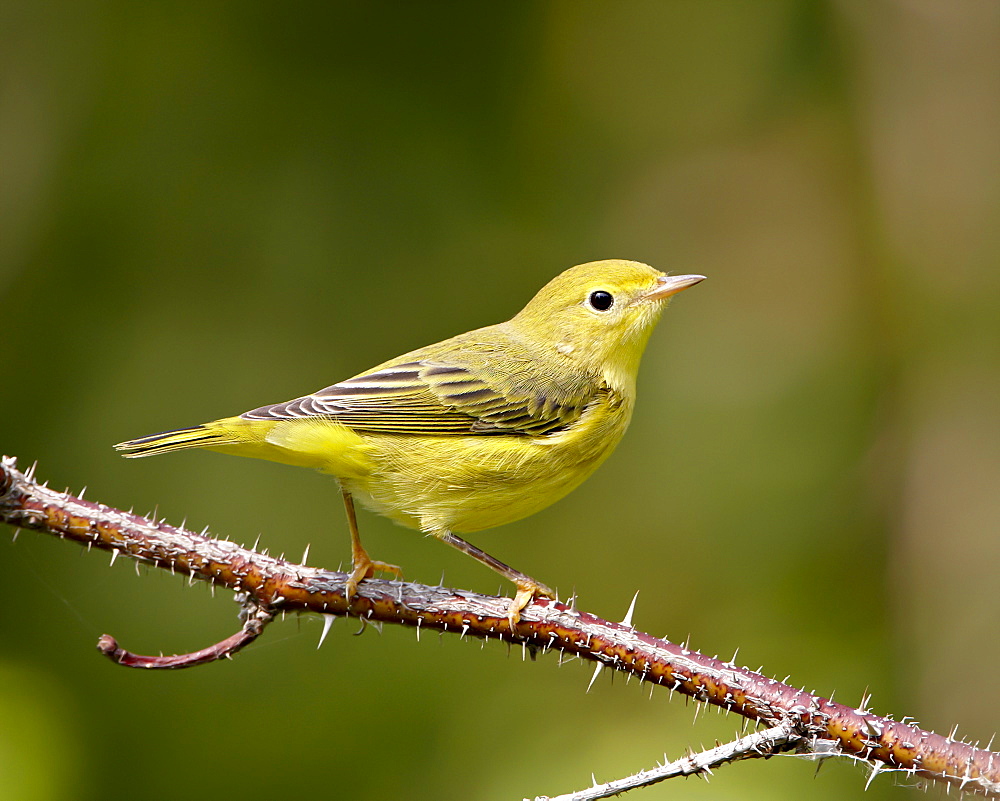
<point>255,617</point>
<point>269,585</point>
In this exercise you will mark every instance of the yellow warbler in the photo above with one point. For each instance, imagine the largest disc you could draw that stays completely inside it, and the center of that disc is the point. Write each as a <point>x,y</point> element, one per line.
<point>479,430</point>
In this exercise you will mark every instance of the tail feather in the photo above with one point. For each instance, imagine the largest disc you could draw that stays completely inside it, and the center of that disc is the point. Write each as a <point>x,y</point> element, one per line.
<point>179,439</point>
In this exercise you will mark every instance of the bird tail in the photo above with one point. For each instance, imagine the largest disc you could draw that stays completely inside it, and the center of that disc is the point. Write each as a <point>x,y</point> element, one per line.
<point>203,436</point>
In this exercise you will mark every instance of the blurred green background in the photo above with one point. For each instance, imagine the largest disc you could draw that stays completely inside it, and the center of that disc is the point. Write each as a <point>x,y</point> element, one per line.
<point>209,206</point>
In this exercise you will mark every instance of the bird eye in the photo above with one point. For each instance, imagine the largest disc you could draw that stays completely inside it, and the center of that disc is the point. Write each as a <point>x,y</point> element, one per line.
<point>601,300</point>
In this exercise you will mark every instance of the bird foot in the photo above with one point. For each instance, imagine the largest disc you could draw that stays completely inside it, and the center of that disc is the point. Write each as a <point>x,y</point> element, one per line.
<point>366,568</point>
<point>527,590</point>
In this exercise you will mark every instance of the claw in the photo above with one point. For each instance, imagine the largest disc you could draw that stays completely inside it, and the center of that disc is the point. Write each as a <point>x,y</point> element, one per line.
<point>527,591</point>
<point>364,567</point>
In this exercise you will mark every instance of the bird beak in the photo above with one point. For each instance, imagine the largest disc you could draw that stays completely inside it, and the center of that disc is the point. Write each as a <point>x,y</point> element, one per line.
<point>667,285</point>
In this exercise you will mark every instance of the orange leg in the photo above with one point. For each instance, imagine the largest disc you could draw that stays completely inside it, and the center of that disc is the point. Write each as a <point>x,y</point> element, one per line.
<point>527,588</point>
<point>363,565</point>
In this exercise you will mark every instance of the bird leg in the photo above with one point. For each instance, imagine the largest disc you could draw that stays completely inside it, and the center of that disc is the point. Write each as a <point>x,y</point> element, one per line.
<point>527,587</point>
<point>363,566</point>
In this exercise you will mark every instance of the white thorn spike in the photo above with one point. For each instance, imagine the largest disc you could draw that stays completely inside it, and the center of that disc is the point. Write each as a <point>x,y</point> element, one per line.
<point>305,555</point>
<point>114,555</point>
<point>627,620</point>
<point>597,672</point>
<point>327,624</point>
<point>875,767</point>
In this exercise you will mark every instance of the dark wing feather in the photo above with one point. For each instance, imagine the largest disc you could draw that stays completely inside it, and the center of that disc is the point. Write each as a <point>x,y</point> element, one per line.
<point>430,397</point>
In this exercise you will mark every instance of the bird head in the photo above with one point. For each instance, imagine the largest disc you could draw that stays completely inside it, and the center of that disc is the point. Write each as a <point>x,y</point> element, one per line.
<point>600,315</point>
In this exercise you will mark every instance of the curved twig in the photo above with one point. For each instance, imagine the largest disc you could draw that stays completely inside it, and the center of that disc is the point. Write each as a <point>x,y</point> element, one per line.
<point>274,585</point>
<point>255,618</point>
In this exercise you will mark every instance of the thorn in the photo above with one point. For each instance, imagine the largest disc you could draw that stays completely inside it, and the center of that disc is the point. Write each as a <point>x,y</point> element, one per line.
<point>16,532</point>
<point>256,542</point>
<point>631,608</point>
<point>327,623</point>
<point>305,555</point>
<point>82,493</point>
<point>597,671</point>
<point>419,621</point>
<point>876,767</point>
<point>114,555</point>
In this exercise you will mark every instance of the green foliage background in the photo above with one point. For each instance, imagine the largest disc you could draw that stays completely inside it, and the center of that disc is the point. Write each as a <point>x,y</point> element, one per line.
<point>210,206</point>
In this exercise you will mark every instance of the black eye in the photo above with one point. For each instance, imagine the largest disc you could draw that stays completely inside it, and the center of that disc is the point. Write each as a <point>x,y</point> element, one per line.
<point>601,300</point>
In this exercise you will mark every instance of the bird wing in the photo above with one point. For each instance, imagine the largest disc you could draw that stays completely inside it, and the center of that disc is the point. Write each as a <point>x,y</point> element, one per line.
<point>435,397</point>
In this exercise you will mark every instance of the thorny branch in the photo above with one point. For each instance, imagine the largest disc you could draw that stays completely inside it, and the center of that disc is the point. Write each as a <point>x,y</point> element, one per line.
<point>267,585</point>
<point>759,744</point>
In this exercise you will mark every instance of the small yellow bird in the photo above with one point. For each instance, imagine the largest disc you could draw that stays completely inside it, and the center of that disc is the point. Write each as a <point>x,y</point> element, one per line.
<point>473,432</point>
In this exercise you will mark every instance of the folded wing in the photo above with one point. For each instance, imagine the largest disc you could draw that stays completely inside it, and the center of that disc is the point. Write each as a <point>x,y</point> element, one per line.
<point>432,397</point>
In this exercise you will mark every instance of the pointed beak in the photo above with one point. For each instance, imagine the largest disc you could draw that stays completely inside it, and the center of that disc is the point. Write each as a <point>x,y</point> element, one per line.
<point>668,285</point>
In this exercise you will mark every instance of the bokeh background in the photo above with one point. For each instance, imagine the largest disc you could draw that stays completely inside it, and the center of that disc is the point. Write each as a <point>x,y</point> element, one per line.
<point>209,206</point>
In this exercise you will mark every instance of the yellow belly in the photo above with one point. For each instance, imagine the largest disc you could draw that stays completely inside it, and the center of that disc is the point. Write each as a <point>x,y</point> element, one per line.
<point>453,483</point>
<point>466,484</point>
